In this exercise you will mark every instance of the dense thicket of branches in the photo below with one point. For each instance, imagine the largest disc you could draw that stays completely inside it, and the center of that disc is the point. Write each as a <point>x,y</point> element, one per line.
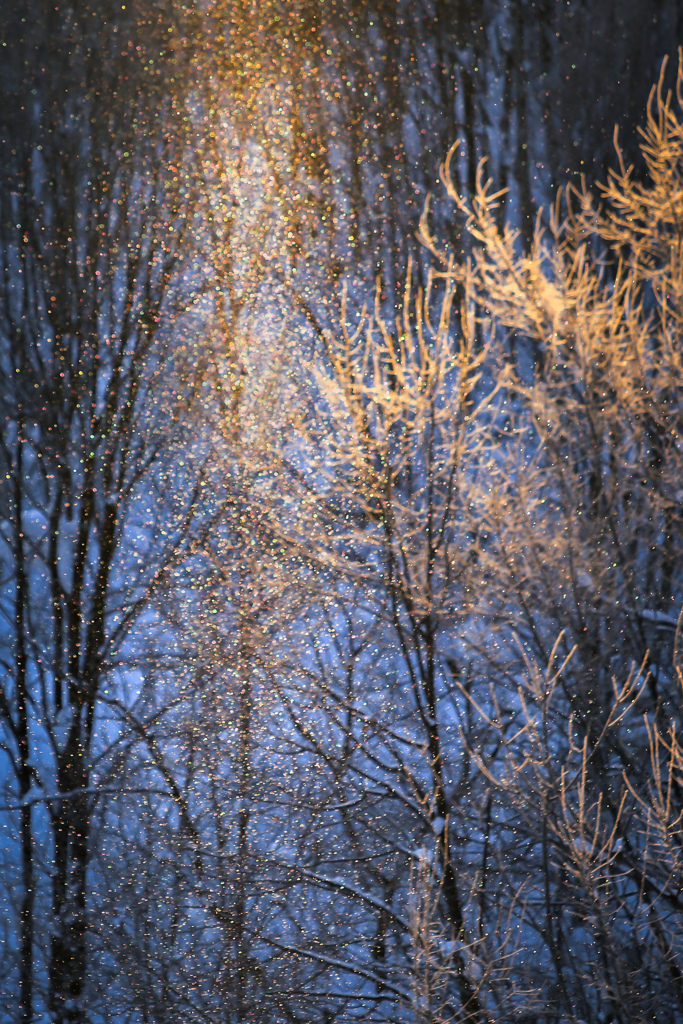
<point>340,539</point>
<point>94,208</point>
<point>371,90</point>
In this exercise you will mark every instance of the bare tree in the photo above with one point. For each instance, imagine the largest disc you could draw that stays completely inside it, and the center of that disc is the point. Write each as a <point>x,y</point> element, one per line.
<point>583,538</point>
<point>94,217</point>
<point>325,701</point>
<point>490,545</point>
